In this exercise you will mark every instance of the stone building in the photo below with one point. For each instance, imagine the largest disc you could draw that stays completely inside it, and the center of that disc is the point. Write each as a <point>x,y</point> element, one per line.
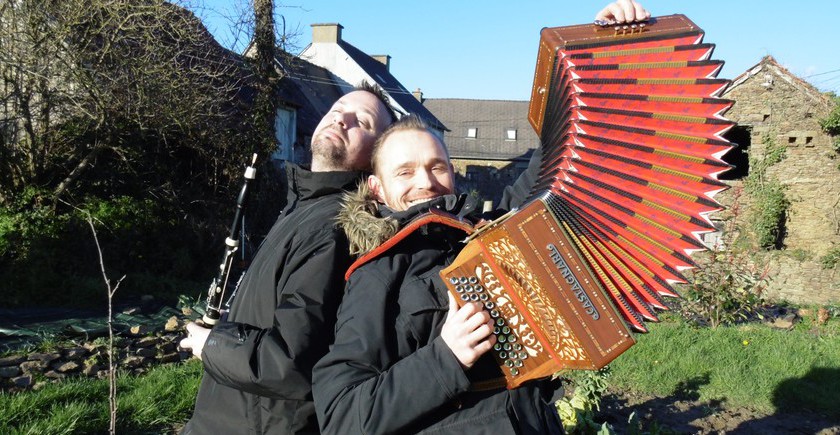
<point>772,103</point>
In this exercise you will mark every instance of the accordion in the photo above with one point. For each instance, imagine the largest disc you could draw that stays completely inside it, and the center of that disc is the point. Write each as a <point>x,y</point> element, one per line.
<point>631,130</point>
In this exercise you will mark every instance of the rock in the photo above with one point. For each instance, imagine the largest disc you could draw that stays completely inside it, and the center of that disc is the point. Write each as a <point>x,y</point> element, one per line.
<point>9,372</point>
<point>91,370</point>
<point>172,324</point>
<point>785,322</point>
<point>75,353</point>
<point>66,367</point>
<point>23,381</point>
<point>139,330</point>
<point>12,360</point>
<point>133,362</point>
<point>29,367</point>
<point>145,352</point>
<point>146,342</point>
<point>52,374</point>
<point>46,357</point>
<point>170,358</point>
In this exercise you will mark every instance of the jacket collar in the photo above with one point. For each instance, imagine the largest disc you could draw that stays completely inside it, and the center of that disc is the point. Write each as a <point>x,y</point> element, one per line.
<point>368,223</point>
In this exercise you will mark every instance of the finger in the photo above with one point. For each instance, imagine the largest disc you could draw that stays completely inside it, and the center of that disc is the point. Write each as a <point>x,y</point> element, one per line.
<point>628,9</point>
<point>641,13</point>
<point>186,343</point>
<point>482,333</point>
<point>453,305</point>
<point>476,320</point>
<point>191,328</point>
<point>605,14</point>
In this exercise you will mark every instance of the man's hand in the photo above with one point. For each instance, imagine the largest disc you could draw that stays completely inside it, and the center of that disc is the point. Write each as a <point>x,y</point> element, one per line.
<point>468,332</point>
<point>196,337</point>
<point>623,11</point>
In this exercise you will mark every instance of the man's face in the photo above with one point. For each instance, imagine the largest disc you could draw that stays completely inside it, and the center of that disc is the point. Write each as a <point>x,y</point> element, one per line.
<point>343,139</point>
<point>412,167</point>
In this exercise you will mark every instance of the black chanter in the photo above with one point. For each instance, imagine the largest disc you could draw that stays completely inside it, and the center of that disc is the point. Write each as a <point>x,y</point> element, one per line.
<point>220,284</point>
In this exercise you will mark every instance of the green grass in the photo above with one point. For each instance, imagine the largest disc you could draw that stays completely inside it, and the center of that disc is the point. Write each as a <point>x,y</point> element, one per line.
<point>746,366</point>
<point>749,365</point>
<point>152,403</point>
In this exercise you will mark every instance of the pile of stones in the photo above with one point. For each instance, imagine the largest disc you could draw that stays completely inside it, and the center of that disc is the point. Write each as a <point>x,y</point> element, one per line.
<point>134,352</point>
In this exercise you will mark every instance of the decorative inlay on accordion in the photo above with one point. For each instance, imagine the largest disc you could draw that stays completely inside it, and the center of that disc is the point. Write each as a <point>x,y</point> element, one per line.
<point>631,129</point>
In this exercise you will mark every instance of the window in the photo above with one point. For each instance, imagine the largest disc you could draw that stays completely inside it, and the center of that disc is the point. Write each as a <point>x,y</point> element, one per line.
<point>510,134</point>
<point>472,132</point>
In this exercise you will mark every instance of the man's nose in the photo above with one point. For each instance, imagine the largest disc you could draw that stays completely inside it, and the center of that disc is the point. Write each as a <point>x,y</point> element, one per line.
<point>342,119</point>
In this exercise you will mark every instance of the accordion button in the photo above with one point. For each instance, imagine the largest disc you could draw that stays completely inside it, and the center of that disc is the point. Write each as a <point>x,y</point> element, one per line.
<point>506,330</point>
<point>453,280</point>
<point>473,280</point>
<point>494,314</point>
<point>503,355</point>
<point>463,280</point>
<point>517,363</point>
<point>514,371</point>
<point>478,288</point>
<point>497,347</point>
<point>517,347</point>
<point>500,321</point>
<point>509,363</point>
<point>497,330</point>
<point>459,289</point>
<point>523,355</point>
<point>511,338</point>
<point>489,305</point>
<point>506,346</point>
<point>465,298</point>
<point>474,297</point>
<point>502,338</point>
<point>468,288</point>
<point>483,297</point>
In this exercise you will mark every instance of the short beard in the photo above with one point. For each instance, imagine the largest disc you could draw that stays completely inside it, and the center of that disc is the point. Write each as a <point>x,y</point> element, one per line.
<point>330,156</point>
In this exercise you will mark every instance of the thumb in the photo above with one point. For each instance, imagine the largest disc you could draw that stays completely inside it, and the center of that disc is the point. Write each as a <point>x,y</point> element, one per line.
<point>453,305</point>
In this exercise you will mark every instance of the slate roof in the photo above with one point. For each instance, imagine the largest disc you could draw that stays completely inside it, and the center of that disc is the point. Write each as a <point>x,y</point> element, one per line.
<point>387,81</point>
<point>491,118</point>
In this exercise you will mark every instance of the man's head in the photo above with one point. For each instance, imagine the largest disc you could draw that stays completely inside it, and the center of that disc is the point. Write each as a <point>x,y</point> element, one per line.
<point>410,165</point>
<point>344,138</point>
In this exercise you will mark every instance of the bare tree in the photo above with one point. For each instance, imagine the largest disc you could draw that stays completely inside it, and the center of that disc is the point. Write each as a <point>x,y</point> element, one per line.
<point>130,78</point>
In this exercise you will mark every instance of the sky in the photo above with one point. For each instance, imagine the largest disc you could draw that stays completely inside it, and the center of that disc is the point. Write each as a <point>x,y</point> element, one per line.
<point>487,49</point>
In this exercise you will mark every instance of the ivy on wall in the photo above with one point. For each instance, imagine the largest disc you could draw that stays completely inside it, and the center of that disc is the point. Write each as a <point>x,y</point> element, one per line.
<point>769,209</point>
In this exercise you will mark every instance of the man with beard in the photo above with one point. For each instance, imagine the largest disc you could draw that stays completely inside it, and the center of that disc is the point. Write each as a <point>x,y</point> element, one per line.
<point>258,362</point>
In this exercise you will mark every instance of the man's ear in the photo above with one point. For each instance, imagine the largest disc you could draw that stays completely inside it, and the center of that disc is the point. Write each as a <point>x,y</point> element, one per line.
<point>375,186</point>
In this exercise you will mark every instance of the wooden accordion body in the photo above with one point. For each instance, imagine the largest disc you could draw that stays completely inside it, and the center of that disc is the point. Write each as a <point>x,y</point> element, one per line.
<point>630,126</point>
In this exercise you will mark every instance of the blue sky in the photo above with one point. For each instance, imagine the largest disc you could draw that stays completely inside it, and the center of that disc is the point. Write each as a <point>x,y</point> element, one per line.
<point>487,49</point>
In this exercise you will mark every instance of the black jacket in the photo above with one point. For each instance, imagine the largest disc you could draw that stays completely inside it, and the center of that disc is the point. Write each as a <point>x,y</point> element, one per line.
<point>258,363</point>
<point>389,371</point>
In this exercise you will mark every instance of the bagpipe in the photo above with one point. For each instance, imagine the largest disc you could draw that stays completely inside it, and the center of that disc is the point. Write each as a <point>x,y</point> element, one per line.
<point>631,128</point>
<point>219,285</point>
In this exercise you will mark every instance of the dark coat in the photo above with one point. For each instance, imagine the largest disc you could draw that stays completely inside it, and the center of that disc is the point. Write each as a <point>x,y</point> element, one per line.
<point>258,363</point>
<point>389,370</point>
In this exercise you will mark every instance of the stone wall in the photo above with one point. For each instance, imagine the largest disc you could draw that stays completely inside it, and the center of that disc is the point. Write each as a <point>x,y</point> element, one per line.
<point>772,102</point>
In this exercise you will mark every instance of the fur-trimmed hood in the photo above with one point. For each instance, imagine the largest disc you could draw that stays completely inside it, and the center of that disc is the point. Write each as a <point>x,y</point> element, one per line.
<point>368,223</point>
<point>360,219</point>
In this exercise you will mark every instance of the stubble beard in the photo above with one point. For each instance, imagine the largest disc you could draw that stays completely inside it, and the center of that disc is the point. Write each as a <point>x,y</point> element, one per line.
<point>329,154</point>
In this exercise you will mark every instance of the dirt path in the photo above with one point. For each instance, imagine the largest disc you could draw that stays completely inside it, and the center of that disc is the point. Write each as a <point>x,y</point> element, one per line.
<point>685,416</point>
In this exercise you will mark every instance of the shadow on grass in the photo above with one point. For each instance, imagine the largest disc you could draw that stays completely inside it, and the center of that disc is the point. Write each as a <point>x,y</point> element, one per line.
<point>806,405</point>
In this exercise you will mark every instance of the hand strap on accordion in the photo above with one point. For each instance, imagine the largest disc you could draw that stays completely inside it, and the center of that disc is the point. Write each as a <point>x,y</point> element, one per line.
<point>433,216</point>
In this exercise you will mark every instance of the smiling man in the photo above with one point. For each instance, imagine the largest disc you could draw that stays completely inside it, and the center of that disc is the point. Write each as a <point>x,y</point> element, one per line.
<point>400,339</point>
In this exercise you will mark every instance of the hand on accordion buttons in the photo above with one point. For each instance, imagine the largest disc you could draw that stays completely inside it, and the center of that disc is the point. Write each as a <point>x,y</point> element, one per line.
<point>468,331</point>
<point>622,11</point>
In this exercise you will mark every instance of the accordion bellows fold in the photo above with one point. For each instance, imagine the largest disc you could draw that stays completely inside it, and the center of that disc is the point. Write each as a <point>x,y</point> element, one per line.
<point>631,128</point>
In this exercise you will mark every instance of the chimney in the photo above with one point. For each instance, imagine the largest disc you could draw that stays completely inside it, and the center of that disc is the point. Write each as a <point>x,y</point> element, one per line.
<point>326,32</point>
<point>384,59</point>
<point>418,94</point>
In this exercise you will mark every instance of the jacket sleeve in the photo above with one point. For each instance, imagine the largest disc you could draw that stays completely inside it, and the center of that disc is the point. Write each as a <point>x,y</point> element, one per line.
<point>360,387</point>
<point>515,194</point>
<point>277,362</point>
